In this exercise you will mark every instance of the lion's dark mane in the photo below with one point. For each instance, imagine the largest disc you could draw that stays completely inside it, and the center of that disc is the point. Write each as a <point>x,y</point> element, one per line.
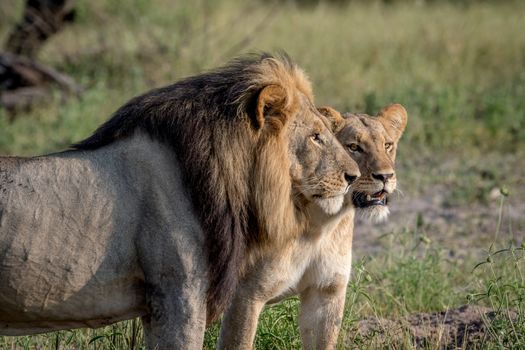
<point>200,117</point>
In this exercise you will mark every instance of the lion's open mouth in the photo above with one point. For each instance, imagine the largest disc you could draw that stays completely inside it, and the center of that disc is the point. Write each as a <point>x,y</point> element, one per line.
<point>363,200</point>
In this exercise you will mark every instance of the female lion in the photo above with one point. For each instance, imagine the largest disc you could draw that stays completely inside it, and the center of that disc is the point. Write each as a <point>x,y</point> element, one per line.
<point>316,265</point>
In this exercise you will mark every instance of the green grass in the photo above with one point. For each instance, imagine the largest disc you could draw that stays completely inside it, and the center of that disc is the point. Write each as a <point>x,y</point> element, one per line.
<point>504,291</point>
<point>458,70</point>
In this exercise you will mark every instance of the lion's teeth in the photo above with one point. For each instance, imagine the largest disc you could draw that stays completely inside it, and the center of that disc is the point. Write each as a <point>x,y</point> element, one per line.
<point>368,197</point>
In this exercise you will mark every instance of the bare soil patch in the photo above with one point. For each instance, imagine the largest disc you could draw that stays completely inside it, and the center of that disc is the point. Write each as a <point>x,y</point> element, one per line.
<point>463,327</point>
<point>463,230</point>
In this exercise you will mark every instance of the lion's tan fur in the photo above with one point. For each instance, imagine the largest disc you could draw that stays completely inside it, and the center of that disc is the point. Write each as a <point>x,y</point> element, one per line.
<point>317,264</point>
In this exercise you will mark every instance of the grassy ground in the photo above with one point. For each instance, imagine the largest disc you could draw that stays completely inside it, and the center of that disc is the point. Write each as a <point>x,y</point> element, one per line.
<point>459,71</point>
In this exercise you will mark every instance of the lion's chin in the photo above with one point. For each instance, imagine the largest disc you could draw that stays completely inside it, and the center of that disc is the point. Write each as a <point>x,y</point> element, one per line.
<point>331,205</point>
<point>374,213</point>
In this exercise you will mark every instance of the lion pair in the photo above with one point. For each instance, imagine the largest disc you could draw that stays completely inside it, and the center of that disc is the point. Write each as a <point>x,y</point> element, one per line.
<point>225,190</point>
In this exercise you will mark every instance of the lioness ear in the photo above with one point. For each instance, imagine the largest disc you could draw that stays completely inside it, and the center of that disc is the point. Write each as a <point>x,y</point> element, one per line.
<point>270,111</point>
<point>334,117</point>
<point>394,119</point>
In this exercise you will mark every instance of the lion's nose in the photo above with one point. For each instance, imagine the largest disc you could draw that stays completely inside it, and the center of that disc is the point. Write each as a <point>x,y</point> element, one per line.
<point>382,177</point>
<point>350,178</point>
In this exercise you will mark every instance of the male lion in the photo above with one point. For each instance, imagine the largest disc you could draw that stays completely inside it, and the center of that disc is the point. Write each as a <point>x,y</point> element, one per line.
<point>317,264</point>
<point>155,214</point>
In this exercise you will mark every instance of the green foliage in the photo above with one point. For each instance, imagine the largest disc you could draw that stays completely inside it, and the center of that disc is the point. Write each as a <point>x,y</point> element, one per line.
<point>504,291</point>
<point>278,327</point>
<point>461,83</point>
<point>394,2</point>
<point>502,287</point>
<point>412,276</point>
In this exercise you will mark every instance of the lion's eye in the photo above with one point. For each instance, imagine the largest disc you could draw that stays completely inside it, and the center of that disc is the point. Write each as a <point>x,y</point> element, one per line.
<point>354,147</point>
<point>388,146</point>
<point>317,138</point>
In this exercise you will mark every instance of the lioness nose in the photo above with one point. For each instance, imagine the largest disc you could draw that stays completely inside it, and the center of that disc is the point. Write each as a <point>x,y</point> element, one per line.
<point>350,178</point>
<point>382,177</point>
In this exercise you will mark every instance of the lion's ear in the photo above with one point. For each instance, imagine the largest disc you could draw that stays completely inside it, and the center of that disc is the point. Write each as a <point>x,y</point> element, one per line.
<point>394,119</point>
<point>270,111</point>
<point>334,117</point>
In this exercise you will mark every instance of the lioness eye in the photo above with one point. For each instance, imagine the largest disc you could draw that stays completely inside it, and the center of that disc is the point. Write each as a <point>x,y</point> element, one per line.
<point>354,147</point>
<point>317,138</point>
<point>388,146</point>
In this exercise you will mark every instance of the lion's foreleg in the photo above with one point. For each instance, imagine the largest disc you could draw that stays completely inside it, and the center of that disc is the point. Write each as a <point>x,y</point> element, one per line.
<point>176,285</point>
<point>239,324</point>
<point>177,317</point>
<point>321,313</point>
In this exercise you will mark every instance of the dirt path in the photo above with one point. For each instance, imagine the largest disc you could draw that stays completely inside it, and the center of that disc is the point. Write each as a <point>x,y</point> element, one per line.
<point>466,230</point>
<point>462,327</point>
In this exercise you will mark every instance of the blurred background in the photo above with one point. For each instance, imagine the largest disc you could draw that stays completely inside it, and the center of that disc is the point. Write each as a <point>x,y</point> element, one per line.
<point>458,67</point>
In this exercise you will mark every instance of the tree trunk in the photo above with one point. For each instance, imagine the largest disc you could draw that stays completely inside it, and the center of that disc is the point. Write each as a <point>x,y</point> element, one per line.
<point>23,81</point>
<point>41,19</point>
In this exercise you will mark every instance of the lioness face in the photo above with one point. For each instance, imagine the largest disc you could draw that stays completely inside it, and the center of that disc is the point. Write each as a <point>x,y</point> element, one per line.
<point>372,143</point>
<point>322,170</point>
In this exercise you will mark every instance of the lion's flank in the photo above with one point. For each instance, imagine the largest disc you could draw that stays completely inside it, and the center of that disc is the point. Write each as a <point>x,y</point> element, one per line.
<point>211,123</point>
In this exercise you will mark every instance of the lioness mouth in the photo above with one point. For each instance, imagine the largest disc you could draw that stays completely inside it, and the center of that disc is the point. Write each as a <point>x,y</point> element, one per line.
<point>363,200</point>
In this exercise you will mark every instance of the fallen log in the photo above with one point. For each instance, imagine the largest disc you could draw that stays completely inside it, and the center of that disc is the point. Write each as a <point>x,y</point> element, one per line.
<point>24,82</point>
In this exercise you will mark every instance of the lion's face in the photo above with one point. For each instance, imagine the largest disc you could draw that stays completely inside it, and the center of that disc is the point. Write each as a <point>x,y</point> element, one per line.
<point>321,170</point>
<point>372,143</point>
